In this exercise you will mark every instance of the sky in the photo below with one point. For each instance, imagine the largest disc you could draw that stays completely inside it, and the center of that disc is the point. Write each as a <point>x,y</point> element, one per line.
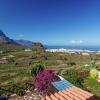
<point>52,22</point>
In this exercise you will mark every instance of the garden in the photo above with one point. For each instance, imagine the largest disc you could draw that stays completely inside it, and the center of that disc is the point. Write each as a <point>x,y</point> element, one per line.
<point>41,78</point>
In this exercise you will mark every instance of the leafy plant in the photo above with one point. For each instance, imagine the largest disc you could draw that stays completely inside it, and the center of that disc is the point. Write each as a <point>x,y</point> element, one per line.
<point>77,81</point>
<point>93,73</point>
<point>92,85</point>
<point>43,80</point>
<point>36,68</point>
<point>93,64</point>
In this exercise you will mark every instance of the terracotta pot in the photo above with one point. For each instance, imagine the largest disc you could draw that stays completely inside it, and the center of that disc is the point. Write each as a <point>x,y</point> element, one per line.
<point>98,80</point>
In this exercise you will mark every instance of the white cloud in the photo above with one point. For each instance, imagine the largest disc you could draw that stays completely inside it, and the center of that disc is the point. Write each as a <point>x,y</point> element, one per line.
<point>21,35</point>
<point>76,41</point>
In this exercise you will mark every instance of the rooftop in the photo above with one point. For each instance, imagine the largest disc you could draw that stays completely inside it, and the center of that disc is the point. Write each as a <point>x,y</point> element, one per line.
<point>67,91</point>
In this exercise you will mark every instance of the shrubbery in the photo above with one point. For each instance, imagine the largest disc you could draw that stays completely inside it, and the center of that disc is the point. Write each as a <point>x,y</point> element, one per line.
<point>93,73</point>
<point>77,81</point>
<point>43,80</point>
<point>36,68</point>
<point>18,88</point>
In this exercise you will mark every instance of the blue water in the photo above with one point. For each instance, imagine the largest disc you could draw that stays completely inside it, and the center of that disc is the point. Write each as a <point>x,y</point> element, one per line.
<point>92,48</point>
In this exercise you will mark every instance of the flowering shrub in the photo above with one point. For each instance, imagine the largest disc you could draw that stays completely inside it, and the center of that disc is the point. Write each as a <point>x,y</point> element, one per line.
<point>43,80</point>
<point>93,73</point>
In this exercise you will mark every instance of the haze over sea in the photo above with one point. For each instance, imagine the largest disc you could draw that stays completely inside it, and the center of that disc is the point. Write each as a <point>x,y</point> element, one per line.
<point>92,48</point>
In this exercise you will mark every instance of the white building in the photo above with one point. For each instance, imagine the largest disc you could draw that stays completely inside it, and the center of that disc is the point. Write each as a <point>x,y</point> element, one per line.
<point>85,53</point>
<point>26,50</point>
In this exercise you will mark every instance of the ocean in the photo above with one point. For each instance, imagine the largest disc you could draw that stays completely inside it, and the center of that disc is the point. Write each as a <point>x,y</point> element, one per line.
<point>91,48</point>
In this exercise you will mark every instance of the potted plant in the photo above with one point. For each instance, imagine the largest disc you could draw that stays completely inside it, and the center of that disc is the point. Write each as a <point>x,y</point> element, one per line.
<point>98,79</point>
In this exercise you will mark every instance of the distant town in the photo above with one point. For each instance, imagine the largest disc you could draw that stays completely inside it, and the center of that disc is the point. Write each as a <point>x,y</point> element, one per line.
<point>84,52</point>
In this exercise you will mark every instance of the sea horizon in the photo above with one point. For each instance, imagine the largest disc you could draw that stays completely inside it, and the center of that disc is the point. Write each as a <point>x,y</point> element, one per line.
<point>85,47</point>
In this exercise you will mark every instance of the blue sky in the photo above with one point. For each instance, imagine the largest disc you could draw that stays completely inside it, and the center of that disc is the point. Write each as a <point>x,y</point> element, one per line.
<point>53,22</point>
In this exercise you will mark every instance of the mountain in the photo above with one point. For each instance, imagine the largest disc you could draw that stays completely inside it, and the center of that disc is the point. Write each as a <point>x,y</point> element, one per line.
<point>38,46</point>
<point>9,44</point>
<point>5,40</point>
<point>34,45</point>
<point>24,43</point>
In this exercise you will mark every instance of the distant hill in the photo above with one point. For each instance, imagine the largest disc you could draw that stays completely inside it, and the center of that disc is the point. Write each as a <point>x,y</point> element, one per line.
<point>24,43</point>
<point>38,46</point>
<point>7,44</point>
<point>11,47</point>
<point>5,40</point>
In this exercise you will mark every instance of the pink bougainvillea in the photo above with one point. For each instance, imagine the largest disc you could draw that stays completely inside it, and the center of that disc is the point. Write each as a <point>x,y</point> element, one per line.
<point>43,80</point>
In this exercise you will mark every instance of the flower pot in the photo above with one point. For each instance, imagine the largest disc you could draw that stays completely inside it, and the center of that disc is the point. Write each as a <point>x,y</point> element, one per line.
<point>98,80</point>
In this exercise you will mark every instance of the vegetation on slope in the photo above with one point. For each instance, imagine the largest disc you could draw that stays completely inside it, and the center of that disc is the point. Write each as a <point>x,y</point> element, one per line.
<point>16,72</point>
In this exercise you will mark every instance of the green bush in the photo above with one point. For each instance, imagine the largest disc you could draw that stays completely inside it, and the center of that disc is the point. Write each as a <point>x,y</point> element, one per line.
<point>77,81</point>
<point>93,64</point>
<point>36,68</point>
<point>70,71</point>
<point>92,85</point>
<point>19,89</point>
<point>93,73</point>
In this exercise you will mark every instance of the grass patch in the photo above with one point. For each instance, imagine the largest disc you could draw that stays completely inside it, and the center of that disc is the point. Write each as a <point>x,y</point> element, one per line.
<point>92,85</point>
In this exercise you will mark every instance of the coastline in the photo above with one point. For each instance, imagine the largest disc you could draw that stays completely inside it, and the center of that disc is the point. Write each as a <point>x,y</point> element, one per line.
<point>75,48</point>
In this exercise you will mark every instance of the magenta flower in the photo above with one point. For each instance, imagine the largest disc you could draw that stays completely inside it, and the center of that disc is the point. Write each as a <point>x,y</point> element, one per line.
<point>44,79</point>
